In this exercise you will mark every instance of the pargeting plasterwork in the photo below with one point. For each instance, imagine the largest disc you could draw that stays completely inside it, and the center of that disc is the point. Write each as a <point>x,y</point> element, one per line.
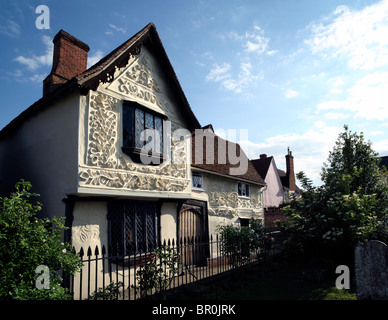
<point>86,233</point>
<point>106,166</point>
<point>224,200</point>
<point>139,82</point>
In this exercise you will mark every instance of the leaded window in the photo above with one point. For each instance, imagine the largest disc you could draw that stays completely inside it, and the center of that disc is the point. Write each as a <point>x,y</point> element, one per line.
<point>133,227</point>
<point>142,129</point>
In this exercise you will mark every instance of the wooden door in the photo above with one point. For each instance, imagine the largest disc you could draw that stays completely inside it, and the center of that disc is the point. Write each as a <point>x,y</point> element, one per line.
<point>190,235</point>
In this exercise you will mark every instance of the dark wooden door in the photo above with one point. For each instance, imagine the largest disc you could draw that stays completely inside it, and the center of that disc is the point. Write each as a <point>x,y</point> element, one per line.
<point>190,235</point>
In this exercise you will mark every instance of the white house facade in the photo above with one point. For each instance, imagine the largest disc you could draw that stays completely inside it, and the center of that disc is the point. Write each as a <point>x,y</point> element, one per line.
<point>82,148</point>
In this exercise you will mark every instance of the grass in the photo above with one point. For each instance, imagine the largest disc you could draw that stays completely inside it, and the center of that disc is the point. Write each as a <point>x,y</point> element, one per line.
<point>281,281</point>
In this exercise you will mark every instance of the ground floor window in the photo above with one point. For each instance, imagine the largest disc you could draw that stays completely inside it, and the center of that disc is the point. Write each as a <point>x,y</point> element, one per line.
<point>133,227</point>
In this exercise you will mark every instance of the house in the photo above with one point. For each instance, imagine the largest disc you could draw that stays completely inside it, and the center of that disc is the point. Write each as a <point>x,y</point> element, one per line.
<point>109,149</point>
<point>280,185</point>
<point>384,162</point>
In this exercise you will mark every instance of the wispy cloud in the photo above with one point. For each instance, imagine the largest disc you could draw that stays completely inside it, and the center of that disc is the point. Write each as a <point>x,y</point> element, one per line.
<point>290,93</point>
<point>236,82</point>
<point>360,37</point>
<point>33,62</point>
<point>95,57</point>
<point>243,75</point>
<point>366,99</point>
<point>9,27</point>
<point>114,27</point>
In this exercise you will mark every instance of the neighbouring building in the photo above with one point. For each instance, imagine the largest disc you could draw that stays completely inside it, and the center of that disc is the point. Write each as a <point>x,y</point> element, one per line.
<point>81,145</point>
<point>280,186</point>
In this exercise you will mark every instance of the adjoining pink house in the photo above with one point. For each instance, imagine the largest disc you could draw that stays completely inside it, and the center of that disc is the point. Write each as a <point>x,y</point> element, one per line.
<point>280,186</point>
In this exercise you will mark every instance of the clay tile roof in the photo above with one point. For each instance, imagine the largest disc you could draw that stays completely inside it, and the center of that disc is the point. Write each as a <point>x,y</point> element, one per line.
<point>215,165</point>
<point>262,165</point>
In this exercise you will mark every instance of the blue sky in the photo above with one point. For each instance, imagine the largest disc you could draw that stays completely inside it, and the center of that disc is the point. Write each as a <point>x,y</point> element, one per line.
<point>291,72</point>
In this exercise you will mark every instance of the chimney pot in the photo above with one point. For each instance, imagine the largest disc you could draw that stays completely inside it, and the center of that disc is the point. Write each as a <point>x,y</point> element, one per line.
<point>69,60</point>
<point>263,156</point>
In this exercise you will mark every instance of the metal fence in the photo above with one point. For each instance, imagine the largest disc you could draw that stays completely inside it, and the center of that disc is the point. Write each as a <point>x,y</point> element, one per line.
<point>119,277</point>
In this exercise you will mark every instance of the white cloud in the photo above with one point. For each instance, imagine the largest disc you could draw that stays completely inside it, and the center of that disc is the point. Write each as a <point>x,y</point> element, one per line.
<point>241,77</point>
<point>219,73</point>
<point>253,41</point>
<point>367,99</point>
<point>310,149</point>
<point>33,62</point>
<point>358,36</point>
<point>231,82</point>
<point>93,59</point>
<point>117,28</point>
<point>291,93</point>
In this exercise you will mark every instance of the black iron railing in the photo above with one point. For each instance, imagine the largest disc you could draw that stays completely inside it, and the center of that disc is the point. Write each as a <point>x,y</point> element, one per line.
<point>105,276</point>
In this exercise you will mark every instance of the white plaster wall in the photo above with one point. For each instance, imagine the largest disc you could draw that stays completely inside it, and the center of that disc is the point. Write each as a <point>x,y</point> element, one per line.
<point>43,151</point>
<point>273,195</point>
<point>168,221</point>
<point>224,204</point>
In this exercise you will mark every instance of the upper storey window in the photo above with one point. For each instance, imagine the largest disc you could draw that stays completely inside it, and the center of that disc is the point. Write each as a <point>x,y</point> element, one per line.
<point>142,132</point>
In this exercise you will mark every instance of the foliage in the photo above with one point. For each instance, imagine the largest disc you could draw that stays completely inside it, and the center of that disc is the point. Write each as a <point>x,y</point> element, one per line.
<point>158,272</point>
<point>238,242</point>
<point>27,242</point>
<point>349,208</point>
<point>110,292</point>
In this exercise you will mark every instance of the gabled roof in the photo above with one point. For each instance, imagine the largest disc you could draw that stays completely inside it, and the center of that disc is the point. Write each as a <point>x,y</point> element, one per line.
<point>262,165</point>
<point>215,164</point>
<point>103,71</point>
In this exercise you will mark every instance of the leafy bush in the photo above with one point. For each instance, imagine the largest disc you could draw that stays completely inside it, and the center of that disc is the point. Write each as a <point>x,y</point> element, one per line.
<point>27,242</point>
<point>158,272</point>
<point>349,208</point>
<point>238,242</point>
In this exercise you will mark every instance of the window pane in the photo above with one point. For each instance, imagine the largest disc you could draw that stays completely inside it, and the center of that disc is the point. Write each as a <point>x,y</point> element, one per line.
<point>128,126</point>
<point>197,180</point>
<point>139,128</point>
<point>239,187</point>
<point>149,122</point>
<point>247,190</point>
<point>159,129</point>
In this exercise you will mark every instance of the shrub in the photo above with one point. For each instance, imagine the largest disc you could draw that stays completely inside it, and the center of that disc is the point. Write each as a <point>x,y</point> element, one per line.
<point>26,243</point>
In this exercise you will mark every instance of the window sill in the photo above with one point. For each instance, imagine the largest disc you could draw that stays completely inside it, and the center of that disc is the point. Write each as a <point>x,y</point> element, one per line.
<point>135,155</point>
<point>245,197</point>
<point>198,189</point>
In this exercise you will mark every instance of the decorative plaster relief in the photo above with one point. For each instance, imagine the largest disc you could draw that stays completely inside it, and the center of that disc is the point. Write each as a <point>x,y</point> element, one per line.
<point>224,200</point>
<point>139,81</point>
<point>87,233</point>
<point>106,166</point>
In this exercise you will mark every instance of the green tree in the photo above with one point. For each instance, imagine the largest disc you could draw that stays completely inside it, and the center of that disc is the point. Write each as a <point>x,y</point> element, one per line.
<point>26,243</point>
<point>349,208</point>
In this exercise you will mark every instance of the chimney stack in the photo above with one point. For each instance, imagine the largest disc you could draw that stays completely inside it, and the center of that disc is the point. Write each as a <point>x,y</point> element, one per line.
<point>290,174</point>
<point>263,156</point>
<point>69,60</point>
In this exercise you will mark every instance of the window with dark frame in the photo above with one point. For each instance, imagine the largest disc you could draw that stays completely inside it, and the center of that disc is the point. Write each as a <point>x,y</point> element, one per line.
<point>197,181</point>
<point>136,119</point>
<point>244,222</point>
<point>132,227</point>
<point>243,189</point>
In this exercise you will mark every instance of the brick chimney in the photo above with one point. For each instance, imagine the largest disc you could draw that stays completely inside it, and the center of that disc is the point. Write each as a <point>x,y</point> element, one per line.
<point>290,174</point>
<point>69,60</point>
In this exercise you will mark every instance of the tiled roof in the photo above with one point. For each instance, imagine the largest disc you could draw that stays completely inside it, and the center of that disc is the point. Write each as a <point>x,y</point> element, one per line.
<point>216,164</point>
<point>262,165</point>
